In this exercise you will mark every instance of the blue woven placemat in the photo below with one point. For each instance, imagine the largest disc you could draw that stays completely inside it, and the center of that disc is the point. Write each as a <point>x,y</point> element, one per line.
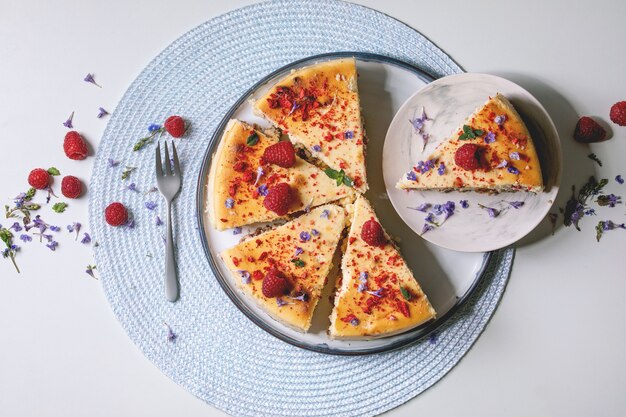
<point>219,355</point>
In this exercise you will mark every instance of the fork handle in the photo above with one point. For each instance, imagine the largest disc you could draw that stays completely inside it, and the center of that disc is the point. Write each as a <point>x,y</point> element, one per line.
<point>171,282</point>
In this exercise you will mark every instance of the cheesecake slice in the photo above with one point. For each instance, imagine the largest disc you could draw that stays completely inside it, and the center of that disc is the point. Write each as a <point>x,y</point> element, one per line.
<point>300,252</point>
<point>318,106</point>
<point>377,295</point>
<point>241,177</point>
<point>493,151</point>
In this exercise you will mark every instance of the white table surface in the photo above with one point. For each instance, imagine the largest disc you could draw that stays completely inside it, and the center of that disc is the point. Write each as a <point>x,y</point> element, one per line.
<point>556,343</point>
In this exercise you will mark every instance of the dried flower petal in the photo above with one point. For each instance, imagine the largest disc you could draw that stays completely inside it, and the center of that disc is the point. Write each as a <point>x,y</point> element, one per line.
<point>68,122</point>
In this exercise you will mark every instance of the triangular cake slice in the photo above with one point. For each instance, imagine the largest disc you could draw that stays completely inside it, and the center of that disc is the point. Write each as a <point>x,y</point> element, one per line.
<point>318,106</point>
<point>492,151</point>
<point>377,294</point>
<point>301,252</point>
<point>240,179</point>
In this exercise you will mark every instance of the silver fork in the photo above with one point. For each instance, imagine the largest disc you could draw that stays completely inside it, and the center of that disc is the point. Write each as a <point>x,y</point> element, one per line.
<point>169,183</point>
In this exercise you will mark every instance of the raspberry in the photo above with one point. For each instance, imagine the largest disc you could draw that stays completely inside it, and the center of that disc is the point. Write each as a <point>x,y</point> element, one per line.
<point>116,214</point>
<point>175,126</point>
<point>74,146</point>
<point>372,233</point>
<point>589,131</point>
<point>282,154</point>
<point>39,178</point>
<point>278,199</point>
<point>275,283</point>
<point>618,113</point>
<point>71,187</point>
<point>470,157</point>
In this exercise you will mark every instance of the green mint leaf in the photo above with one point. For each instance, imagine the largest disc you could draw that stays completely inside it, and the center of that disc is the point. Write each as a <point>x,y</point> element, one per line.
<point>252,139</point>
<point>471,135</point>
<point>59,207</point>
<point>298,262</point>
<point>463,137</point>
<point>405,293</point>
<point>347,181</point>
<point>466,129</point>
<point>127,172</point>
<point>332,174</point>
<point>30,194</point>
<point>53,171</point>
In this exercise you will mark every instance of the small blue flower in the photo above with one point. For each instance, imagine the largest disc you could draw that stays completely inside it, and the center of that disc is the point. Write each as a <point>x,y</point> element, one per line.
<point>299,251</point>
<point>442,169</point>
<point>348,134</point>
<point>158,221</point>
<point>305,236</point>
<point>132,187</point>
<point>317,148</point>
<point>490,210</point>
<point>433,338</point>
<point>245,276</point>
<point>490,137</point>
<point>448,209</point>
<point>355,322</point>
<point>503,164</point>
<point>230,203</point>
<point>153,127</point>
<point>362,287</point>
<point>378,293</point>
<point>113,163</point>
<point>464,204</point>
<point>280,302</point>
<point>516,204</point>
<point>16,227</point>
<point>619,179</point>
<point>101,113</point>
<point>513,170</point>
<point>411,176</point>
<point>430,218</point>
<point>55,228</point>
<point>363,276</point>
<point>325,214</point>
<point>25,238</point>
<point>86,239</point>
<point>150,205</point>
<point>52,245</point>
<point>514,155</point>
<point>68,122</point>
<point>427,227</point>
<point>261,189</point>
<point>500,119</point>
<point>590,212</point>
<point>237,231</point>
<point>315,232</point>
<point>89,78</point>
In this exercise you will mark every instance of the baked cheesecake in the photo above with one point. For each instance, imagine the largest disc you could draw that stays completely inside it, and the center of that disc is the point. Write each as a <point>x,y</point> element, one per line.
<point>285,269</point>
<point>249,164</point>
<point>318,106</point>
<point>492,151</point>
<point>377,295</point>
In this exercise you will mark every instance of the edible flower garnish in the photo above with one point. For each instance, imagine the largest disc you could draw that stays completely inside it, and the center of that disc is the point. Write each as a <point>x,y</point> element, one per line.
<point>305,236</point>
<point>230,203</point>
<point>610,200</point>
<point>500,119</point>
<point>101,113</point>
<point>606,225</point>
<point>515,204</point>
<point>464,204</point>
<point>490,137</point>
<point>442,169</point>
<point>577,204</point>
<point>411,176</point>
<point>68,122</point>
<point>492,211</point>
<point>89,78</point>
<point>619,179</point>
<point>317,148</point>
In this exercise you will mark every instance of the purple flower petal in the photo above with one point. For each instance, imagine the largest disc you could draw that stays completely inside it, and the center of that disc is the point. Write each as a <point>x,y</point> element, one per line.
<point>305,236</point>
<point>237,231</point>
<point>68,122</point>
<point>500,119</point>
<point>101,113</point>
<point>86,239</point>
<point>349,134</point>
<point>317,148</point>
<point>261,189</point>
<point>619,179</point>
<point>229,203</point>
<point>464,204</point>
<point>325,214</point>
<point>490,137</point>
<point>150,205</point>
<point>411,176</point>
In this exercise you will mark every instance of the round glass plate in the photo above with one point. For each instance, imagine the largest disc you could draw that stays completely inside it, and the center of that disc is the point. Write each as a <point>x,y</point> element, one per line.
<point>448,101</point>
<point>448,277</point>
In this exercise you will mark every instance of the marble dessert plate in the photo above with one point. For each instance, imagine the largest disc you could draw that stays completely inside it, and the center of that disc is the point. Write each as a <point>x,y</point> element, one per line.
<point>448,101</point>
<point>448,277</point>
